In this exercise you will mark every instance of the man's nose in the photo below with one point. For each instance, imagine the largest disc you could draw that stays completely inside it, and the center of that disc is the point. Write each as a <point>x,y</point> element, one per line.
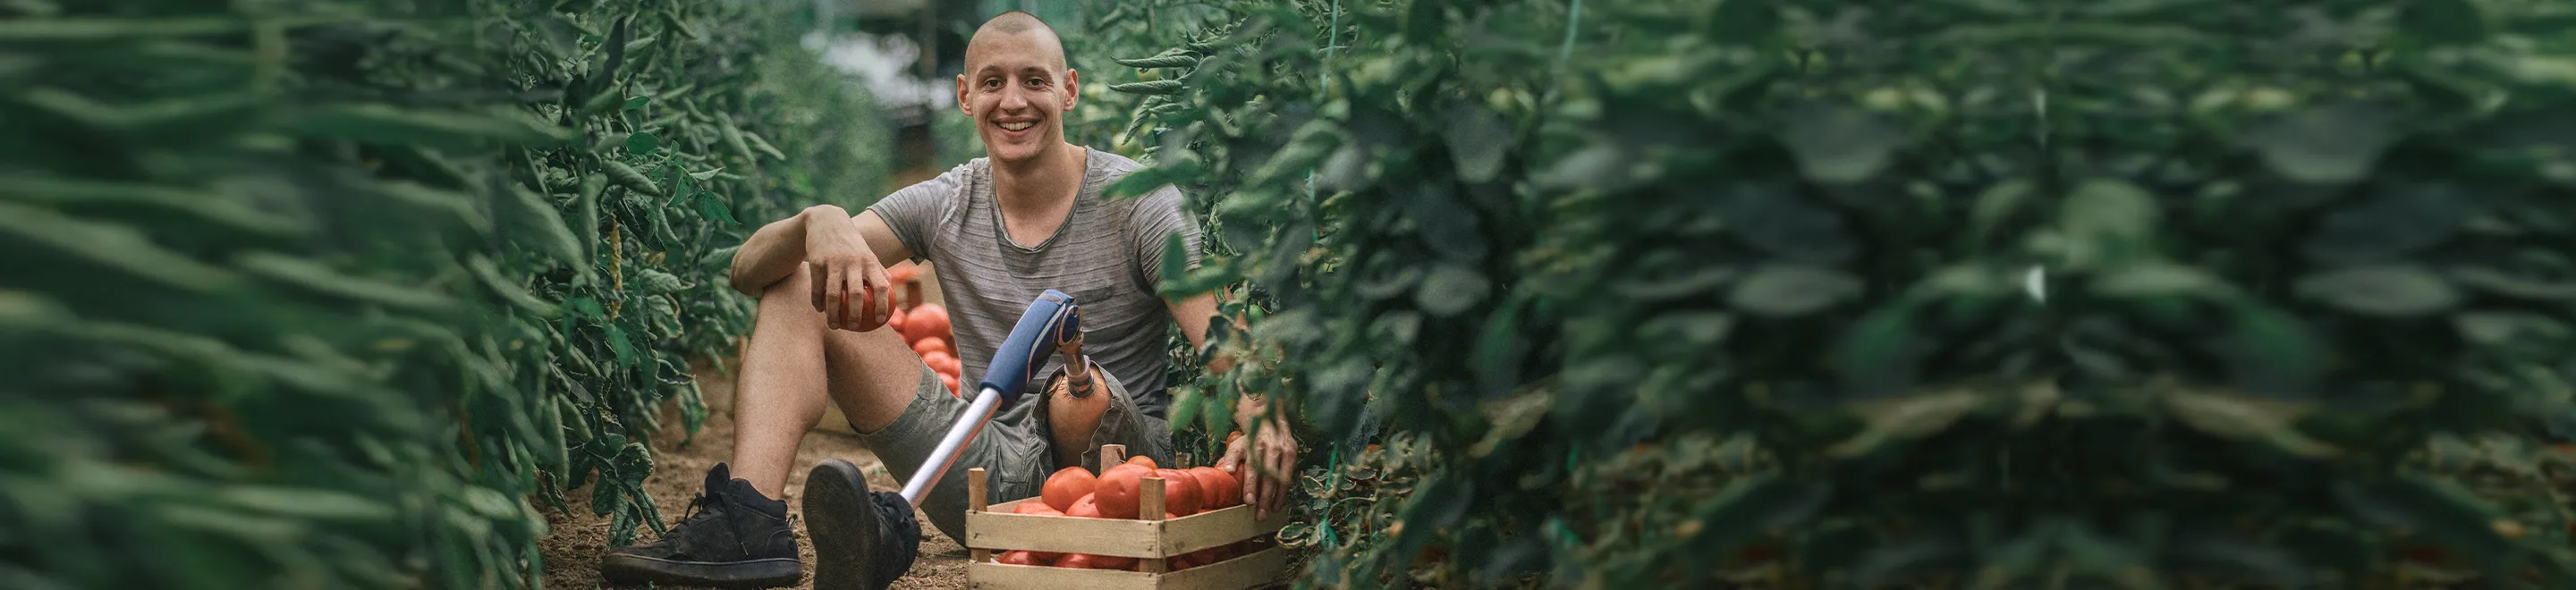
<point>1015,98</point>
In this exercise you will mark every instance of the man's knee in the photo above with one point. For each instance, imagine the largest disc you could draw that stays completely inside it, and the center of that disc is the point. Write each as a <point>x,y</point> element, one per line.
<point>798,286</point>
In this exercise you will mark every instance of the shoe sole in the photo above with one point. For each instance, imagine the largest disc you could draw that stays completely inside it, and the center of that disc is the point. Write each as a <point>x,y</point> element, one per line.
<point>757,573</point>
<point>843,524</point>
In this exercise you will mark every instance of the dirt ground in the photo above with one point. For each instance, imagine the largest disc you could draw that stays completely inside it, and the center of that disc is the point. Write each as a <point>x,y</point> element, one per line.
<point>575,541</point>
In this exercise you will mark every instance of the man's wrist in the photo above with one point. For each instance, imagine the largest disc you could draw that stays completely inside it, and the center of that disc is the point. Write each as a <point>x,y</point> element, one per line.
<point>825,211</point>
<point>1248,409</point>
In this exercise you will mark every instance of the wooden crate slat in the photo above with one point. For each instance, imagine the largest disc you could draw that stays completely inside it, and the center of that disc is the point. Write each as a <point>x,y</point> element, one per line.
<point>1248,571</point>
<point>1002,576</point>
<point>1216,527</point>
<point>1002,531</point>
<point>1261,567</point>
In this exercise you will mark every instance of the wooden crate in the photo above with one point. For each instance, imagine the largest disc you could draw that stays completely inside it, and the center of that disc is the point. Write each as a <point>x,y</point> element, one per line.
<point>996,528</point>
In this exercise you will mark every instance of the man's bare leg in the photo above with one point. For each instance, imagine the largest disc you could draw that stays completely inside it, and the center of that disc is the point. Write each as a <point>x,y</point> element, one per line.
<point>793,365</point>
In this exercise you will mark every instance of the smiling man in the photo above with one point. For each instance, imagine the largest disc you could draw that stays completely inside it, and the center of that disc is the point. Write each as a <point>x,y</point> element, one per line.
<point>1001,229</point>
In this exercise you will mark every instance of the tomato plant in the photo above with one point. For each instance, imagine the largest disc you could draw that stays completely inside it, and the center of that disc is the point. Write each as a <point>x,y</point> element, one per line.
<point>2143,294</point>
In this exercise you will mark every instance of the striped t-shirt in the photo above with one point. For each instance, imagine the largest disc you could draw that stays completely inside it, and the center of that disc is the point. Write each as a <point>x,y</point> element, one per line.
<point>1108,255</point>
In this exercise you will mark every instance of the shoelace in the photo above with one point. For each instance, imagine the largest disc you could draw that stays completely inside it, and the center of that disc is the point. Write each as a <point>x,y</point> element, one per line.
<point>697,510</point>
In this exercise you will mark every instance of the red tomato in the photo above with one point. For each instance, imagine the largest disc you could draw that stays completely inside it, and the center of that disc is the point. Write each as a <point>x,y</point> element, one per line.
<point>930,320</point>
<point>930,344</point>
<point>1217,489</point>
<point>1018,558</point>
<point>1068,485</point>
<point>1180,491</point>
<point>1118,490</point>
<point>1087,507</point>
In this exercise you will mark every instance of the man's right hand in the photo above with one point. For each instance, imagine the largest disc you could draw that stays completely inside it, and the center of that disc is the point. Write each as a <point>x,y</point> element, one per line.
<point>850,285</point>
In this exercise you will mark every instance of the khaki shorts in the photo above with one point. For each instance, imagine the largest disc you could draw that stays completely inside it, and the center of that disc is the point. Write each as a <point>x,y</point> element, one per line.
<point>1014,449</point>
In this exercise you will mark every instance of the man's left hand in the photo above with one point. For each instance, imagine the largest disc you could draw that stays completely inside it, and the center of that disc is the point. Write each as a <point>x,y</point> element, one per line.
<point>1267,479</point>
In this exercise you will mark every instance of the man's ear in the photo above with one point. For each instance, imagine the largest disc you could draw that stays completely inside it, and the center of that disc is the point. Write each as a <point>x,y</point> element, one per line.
<point>961,97</point>
<point>1072,88</point>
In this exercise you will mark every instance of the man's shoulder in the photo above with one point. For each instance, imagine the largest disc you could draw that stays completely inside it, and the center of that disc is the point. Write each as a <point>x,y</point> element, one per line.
<point>1110,167</point>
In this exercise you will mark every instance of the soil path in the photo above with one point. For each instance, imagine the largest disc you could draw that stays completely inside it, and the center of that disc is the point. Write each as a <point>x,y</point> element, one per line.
<point>575,541</point>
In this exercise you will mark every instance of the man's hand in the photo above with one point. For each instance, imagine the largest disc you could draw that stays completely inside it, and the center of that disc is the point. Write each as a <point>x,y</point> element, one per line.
<point>850,285</point>
<point>1273,466</point>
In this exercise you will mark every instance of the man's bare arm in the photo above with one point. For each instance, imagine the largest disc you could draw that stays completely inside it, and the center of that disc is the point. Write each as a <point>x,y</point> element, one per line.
<point>1194,314</point>
<point>773,253</point>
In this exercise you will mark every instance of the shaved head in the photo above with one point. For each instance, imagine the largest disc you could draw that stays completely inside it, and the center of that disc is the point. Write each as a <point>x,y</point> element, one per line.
<point>1012,24</point>
<point>1017,88</point>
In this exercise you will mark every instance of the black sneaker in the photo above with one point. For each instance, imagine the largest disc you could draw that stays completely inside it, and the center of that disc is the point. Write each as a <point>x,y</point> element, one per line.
<point>734,537</point>
<point>858,537</point>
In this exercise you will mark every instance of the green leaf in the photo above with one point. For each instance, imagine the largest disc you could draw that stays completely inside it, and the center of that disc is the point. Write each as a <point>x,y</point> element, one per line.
<point>1175,266</point>
<point>1598,166</point>
<point>2159,279</point>
<point>1906,417</point>
<point>1169,58</point>
<point>627,176</point>
<point>2239,417</point>
<point>377,123</point>
<point>1755,505</point>
<point>1839,145</point>
<point>642,143</point>
<point>713,207</point>
<point>1149,87</point>
<point>2450,22</point>
<point>638,103</point>
<point>2328,144</point>
<point>307,503</point>
<point>1743,22</point>
<point>533,221</point>
<point>2496,281</point>
<point>508,288</point>
<point>2440,511</point>
<point>119,247</point>
<point>618,343</point>
<point>2386,290</point>
<point>586,307</point>
<point>317,277</point>
<point>1450,290</point>
<point>26,30</point>
<point>1478,139</point>
<point>1998,204</point>
<point>1790,290</point>
<point>2107,223</point>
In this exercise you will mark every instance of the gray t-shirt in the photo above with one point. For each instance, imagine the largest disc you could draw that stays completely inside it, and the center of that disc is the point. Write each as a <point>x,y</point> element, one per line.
<point>1108,255</point>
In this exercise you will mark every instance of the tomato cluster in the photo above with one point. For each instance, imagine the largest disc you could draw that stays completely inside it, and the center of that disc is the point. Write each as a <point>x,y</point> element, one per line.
<point>1117,493</point>
<point>924,325</point>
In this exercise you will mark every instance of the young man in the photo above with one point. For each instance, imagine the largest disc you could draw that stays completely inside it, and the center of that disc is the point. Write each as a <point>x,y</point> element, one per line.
<point>1001,229</point>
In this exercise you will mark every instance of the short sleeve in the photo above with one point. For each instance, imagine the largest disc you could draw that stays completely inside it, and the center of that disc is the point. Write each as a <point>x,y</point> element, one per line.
<point>1156,218</point>
<point>914,210</point>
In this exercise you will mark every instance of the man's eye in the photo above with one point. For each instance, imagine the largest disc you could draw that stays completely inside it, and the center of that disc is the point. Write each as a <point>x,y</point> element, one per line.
<point>992,83</point>
<point>1036,83</point>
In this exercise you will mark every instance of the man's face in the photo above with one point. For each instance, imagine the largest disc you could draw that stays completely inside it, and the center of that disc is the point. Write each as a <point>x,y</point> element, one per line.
<point>1017,89</point>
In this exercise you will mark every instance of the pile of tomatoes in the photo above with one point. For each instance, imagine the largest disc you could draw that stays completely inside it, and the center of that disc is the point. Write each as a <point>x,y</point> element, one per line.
<point>924,325</point>
<point>1117,493</point>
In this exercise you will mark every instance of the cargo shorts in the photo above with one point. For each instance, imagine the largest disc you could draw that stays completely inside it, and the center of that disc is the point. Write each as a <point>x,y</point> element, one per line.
<point>1015,450</point>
